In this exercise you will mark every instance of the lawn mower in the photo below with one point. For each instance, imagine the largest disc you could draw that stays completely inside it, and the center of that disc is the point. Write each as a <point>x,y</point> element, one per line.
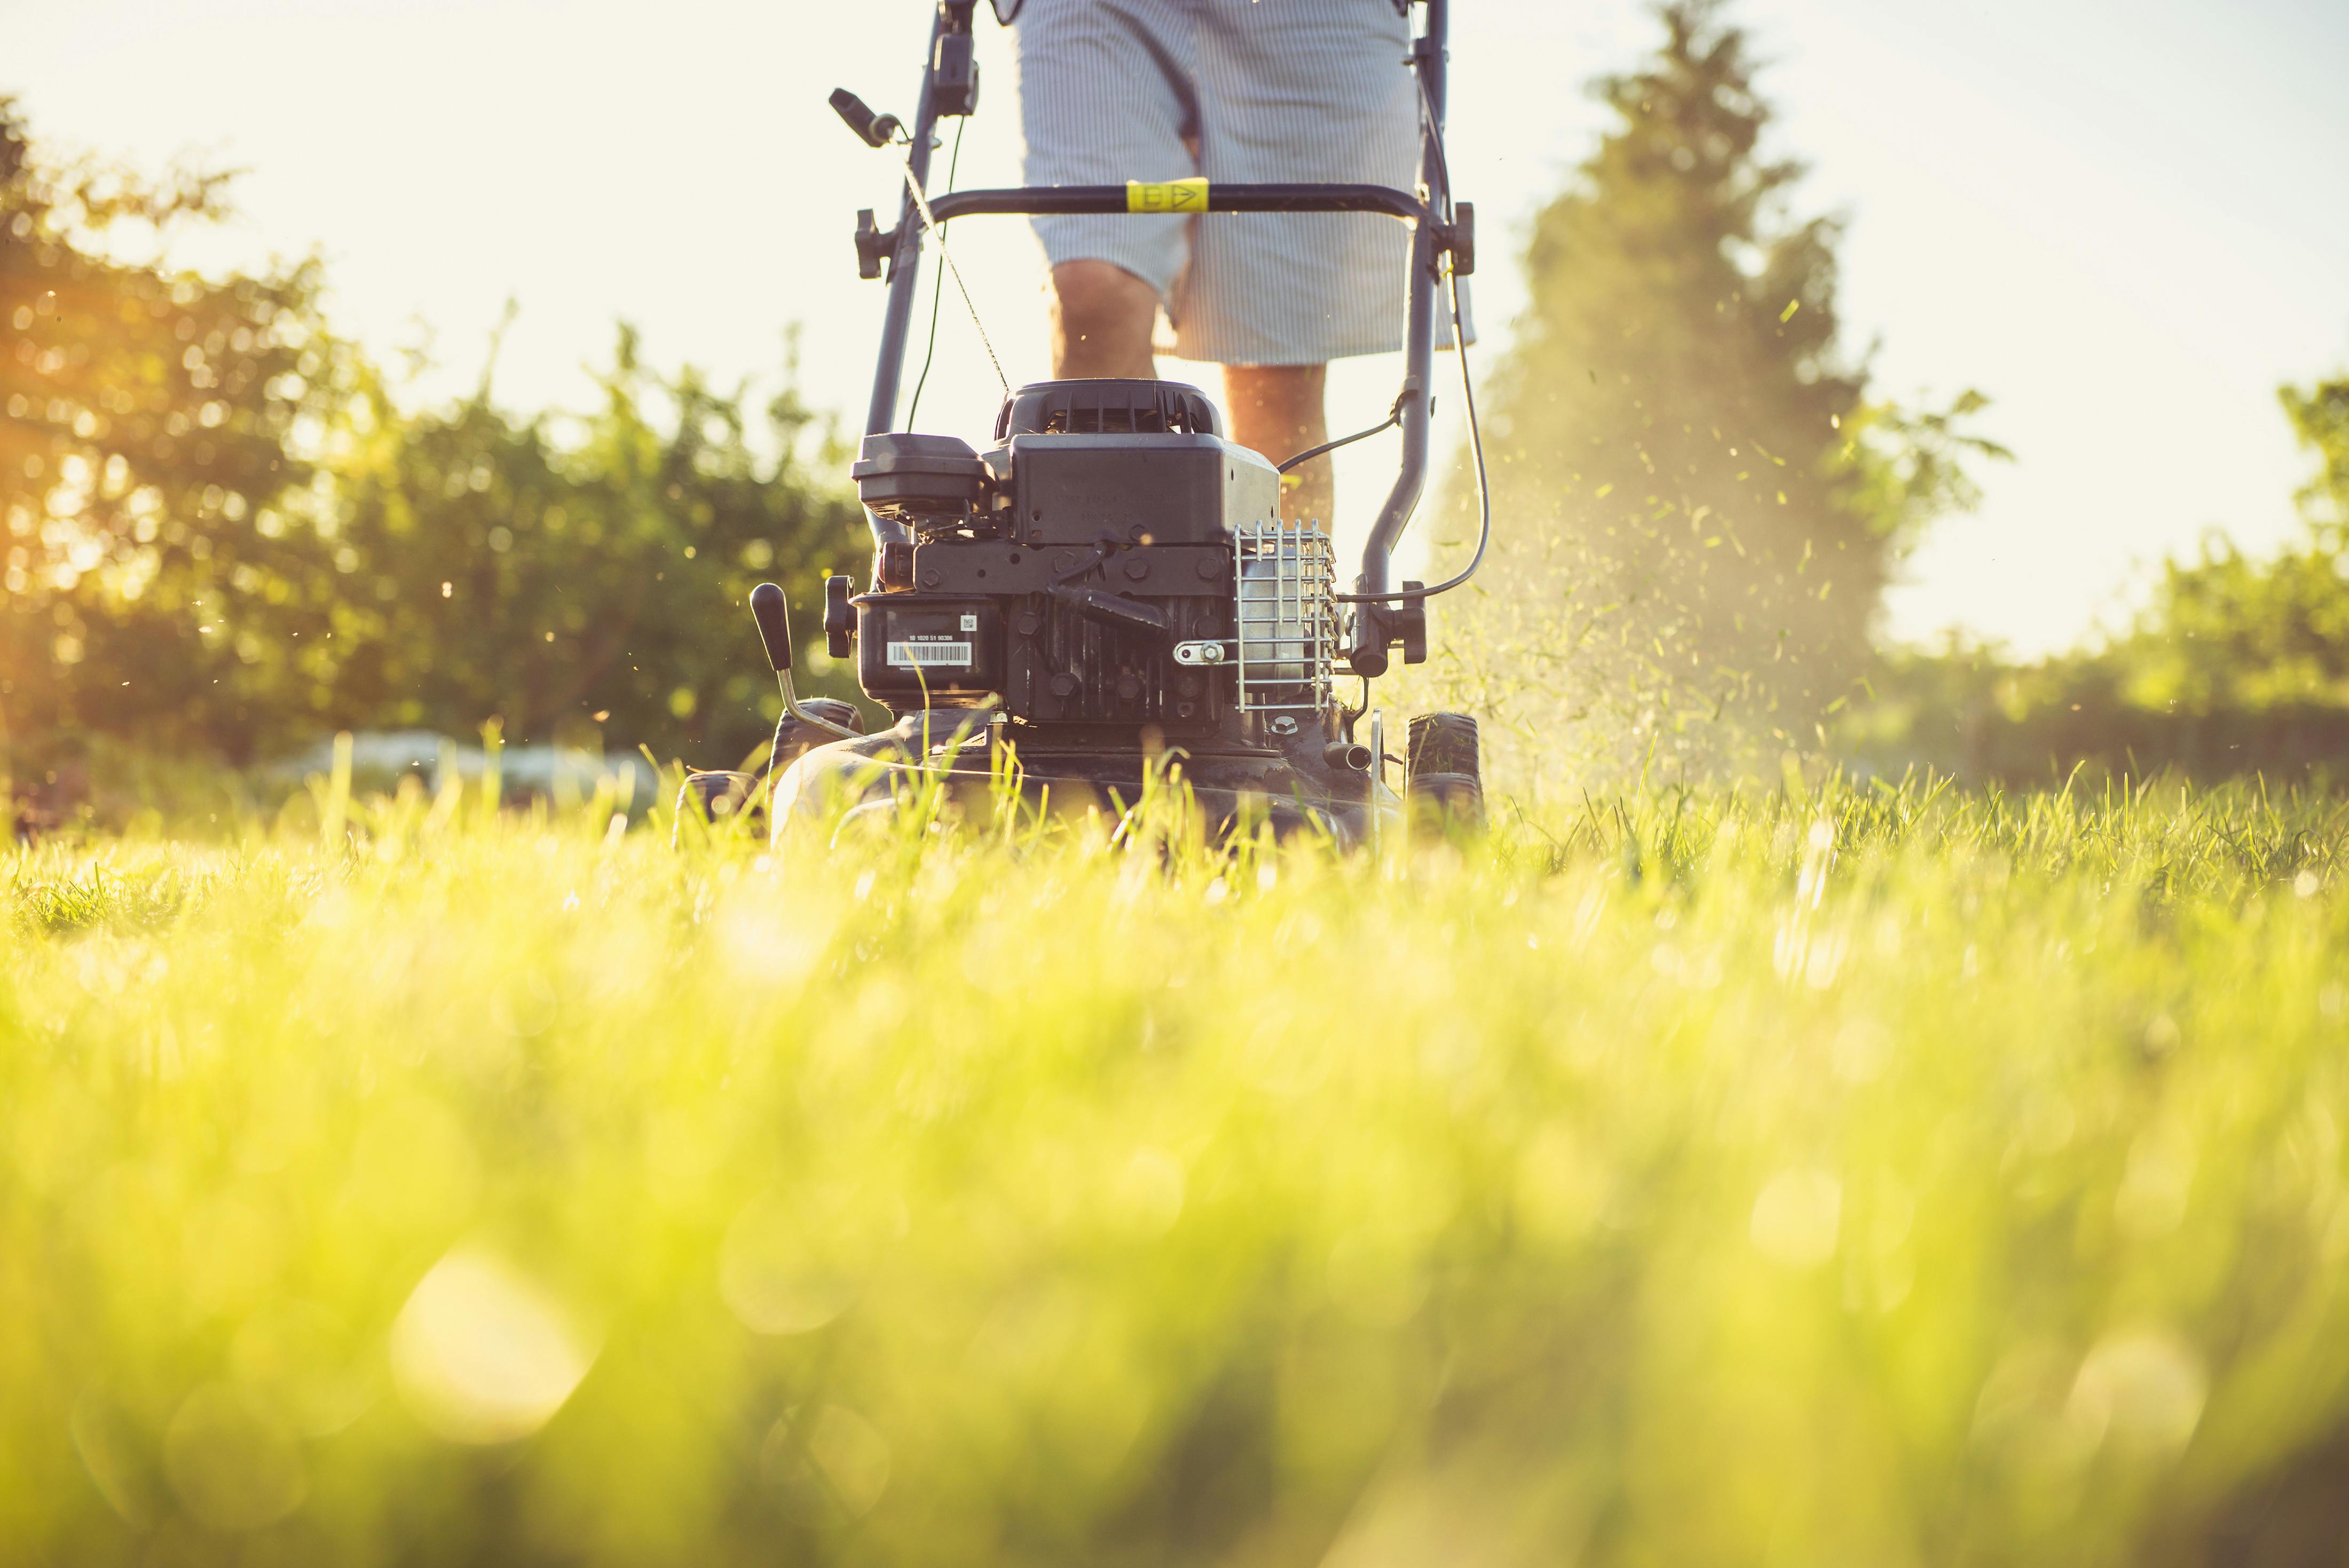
<point>1112,588</point>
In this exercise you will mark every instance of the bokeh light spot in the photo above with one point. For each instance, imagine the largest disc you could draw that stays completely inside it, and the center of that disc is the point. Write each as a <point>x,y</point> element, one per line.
<point>231,1462</point>
<point>112,1454</point>
<point>2142,1389</point>
<point>1797,1218</point>
<point>480,1354</point>
<point>853,1457</point>
<point>304,1362</point>
<point>781,1271</point>
<point>1148,1193</point>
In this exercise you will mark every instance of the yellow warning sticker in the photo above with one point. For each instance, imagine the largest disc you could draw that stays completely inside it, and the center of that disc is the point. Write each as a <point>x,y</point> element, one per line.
<point>1167,195</point>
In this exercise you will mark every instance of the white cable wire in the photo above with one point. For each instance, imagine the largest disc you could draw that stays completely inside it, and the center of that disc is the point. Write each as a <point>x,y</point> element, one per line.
<point>930,223</point>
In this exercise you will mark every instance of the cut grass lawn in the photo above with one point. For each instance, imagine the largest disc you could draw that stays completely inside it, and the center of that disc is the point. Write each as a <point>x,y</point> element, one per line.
<point>1871,1176</point>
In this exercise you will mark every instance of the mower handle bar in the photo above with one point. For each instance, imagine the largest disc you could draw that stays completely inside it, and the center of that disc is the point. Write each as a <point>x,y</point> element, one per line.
<point>1218,197</point>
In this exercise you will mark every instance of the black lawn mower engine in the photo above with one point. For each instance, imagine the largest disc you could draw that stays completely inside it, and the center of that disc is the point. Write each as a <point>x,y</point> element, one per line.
<point>1113,565</point>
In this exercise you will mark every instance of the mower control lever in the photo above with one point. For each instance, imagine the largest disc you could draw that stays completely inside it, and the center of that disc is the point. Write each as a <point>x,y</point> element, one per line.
<point>1115,606</point>
<point>877,129</point>
<point>774,614</point>
<point>774,618</point>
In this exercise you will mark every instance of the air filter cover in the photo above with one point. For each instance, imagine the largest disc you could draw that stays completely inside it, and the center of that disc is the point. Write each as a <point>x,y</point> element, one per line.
<point>904,475</point>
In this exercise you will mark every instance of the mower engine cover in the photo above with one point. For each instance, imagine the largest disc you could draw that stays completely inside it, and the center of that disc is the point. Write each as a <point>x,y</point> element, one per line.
<point>1102,537</point>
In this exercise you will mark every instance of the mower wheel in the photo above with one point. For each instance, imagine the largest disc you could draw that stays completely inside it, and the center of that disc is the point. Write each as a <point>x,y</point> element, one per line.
<point>1443,743</point>
<point>715,797</point>
<point>1444,785</point>
<point>1445,802</point>
<point>793,737</point>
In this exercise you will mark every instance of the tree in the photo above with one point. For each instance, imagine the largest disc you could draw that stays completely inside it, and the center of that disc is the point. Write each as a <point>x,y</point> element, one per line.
<point>225,535</point>
<point>1701,506</point>
<point>2319,417</point>
<point>570,590</point>
<point>2231,631</point>
<point>2237,664</point>
<point>145,421</point>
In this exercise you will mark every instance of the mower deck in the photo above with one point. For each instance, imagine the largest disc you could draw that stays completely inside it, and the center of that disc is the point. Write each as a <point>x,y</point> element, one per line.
<point>963,753</point>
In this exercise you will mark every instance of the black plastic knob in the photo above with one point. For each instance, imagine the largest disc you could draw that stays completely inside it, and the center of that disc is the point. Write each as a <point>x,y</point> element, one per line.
<point>839,618</point>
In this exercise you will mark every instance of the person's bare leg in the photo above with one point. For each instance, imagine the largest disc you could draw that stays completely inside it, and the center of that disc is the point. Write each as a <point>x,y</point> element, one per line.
<point>1101,318</point>
<point>1277,409</point>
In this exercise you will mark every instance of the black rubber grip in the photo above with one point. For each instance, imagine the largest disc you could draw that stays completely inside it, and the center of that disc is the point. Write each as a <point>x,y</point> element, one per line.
<point>874,128</point>
<point>774,618</point>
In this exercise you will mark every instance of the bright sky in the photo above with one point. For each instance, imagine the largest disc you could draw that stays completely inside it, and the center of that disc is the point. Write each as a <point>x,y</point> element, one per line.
<point>2123,222</point>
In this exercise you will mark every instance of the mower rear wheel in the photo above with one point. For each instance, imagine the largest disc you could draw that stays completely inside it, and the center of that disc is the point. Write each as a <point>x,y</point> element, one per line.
<point>1443,743</point>
<point>715,797</point>
<point>1443,781</point>
<point>792,739</point>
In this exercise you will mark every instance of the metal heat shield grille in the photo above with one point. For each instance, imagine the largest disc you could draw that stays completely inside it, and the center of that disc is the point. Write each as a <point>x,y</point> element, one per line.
<point>1286,618</point>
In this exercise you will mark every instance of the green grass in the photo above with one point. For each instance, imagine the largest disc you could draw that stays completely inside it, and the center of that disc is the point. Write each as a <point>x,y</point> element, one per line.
<point>1876,1176</point>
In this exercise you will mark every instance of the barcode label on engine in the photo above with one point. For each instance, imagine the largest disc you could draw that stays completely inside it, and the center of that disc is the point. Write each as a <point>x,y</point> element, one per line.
<point>906,655</point>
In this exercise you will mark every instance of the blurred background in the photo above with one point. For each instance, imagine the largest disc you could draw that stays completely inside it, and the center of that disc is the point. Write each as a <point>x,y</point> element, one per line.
<point>524,339</point>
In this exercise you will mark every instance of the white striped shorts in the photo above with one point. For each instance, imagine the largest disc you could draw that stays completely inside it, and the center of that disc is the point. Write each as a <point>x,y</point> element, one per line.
<point>1112,90</point>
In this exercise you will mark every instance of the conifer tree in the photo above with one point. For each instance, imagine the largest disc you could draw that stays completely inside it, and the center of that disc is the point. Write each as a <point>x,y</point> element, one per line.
<point>1698,507</point>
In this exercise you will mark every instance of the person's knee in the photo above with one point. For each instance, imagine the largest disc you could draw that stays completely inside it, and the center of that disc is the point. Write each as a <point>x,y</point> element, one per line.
<point>1276,411</point>
<point>1102,294</point>
<point>1280,403</point>
<point>1295,383</point>
<point>1101,318</point>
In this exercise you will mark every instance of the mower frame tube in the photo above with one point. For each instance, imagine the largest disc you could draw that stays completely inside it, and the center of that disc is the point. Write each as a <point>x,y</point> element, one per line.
<point>1430,57</point>
<point>905,264</point>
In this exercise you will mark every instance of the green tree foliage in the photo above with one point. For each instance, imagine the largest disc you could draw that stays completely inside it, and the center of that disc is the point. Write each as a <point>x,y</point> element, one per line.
<point>2319,415</point>
<point>146,422</point>
<point>2230,631</point>
<point>2237,664</point>
<point>225,535</point>
<point>1701,505</point>
<point>486,568</point>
